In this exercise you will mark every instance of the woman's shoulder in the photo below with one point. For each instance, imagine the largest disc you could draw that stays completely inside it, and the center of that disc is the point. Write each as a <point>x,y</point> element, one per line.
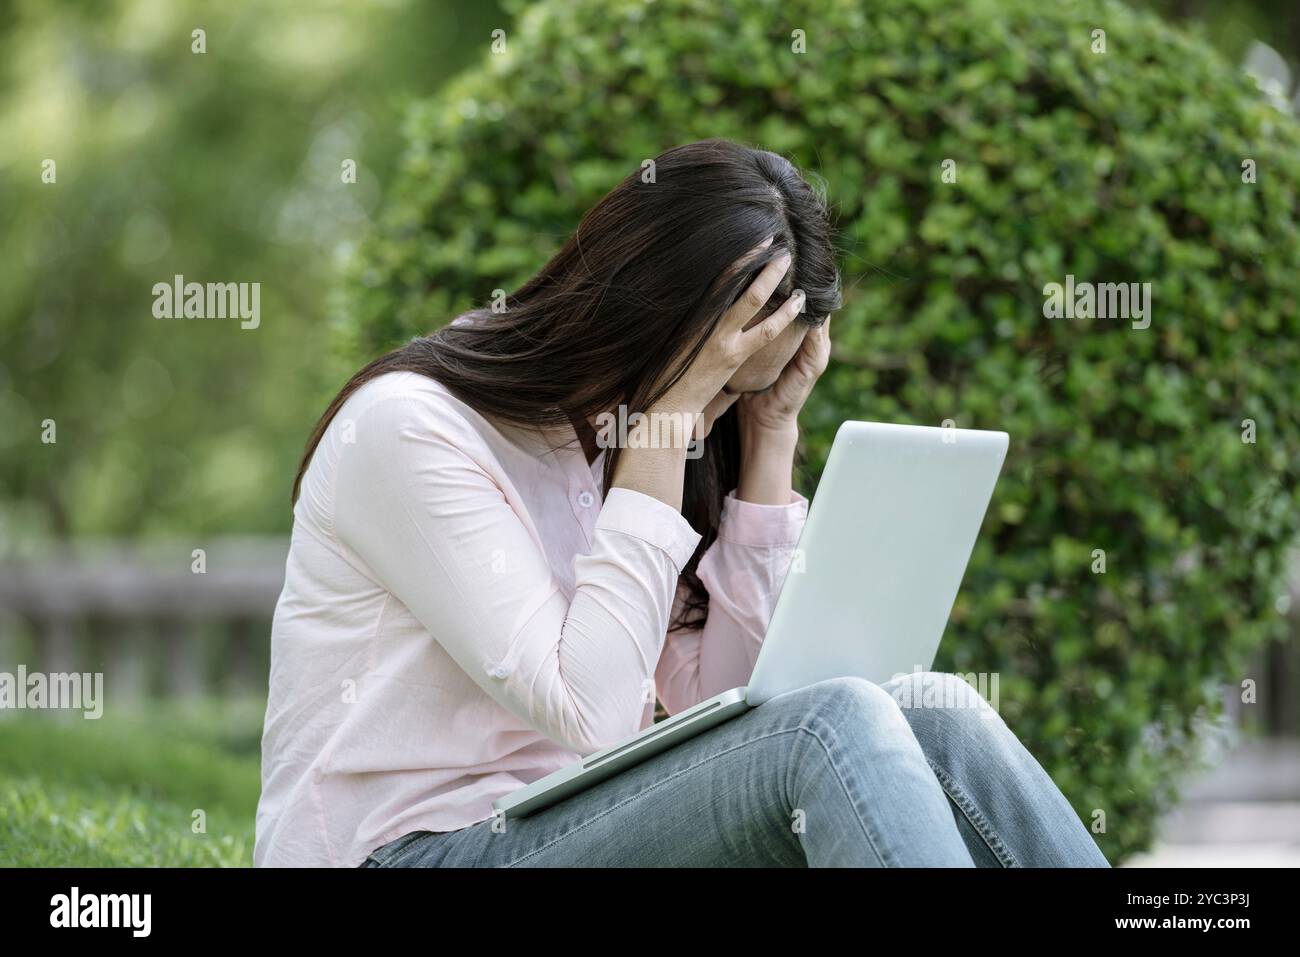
<point>409,398</point>
<point>400,419</point>
<point>403,420</point>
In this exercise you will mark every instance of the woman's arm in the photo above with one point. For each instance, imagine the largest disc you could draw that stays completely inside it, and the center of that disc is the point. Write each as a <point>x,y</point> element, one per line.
<point>769,422</point>
<point>766,462</point>
<point>743,570</point>
<point>422,508</point>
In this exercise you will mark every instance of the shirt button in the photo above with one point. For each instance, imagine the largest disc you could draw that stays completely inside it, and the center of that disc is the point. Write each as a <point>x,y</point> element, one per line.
<point>500,671</point>
<point>586,499</point>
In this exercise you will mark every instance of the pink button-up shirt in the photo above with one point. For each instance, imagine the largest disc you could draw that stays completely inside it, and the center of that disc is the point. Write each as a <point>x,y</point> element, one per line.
<point>462,615</point>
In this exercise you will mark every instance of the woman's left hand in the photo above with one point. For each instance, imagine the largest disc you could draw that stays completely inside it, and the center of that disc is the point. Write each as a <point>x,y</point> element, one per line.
<point>769,422</point>
<point>776,410</point>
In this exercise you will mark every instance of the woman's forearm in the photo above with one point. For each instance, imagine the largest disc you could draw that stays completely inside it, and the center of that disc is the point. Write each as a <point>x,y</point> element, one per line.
<point>656,468</point>
<point>766,467</point>
<point>767,464</point>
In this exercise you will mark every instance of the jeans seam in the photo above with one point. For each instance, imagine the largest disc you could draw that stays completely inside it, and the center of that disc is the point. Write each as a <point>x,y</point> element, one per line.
<point>973,815</point>
<point>658,784</point>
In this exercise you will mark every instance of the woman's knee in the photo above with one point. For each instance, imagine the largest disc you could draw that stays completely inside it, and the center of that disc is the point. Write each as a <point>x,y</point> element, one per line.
<point>851,715</point>
<point>946,710</point>
<point>841,699</point>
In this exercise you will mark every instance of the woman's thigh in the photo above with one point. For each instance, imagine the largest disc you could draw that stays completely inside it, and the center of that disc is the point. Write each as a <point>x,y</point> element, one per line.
<point>746,793</point>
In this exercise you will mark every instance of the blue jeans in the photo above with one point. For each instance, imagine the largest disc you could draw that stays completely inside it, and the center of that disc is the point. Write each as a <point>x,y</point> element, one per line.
<point>841,773</point>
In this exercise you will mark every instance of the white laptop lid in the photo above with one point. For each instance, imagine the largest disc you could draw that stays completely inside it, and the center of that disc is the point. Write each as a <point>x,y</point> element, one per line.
<point>881,557</point>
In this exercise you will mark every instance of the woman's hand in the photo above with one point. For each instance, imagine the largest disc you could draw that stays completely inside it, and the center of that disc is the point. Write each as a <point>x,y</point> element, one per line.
<point>769,422</point>
<point>731,344</point>
<point>776,410</point>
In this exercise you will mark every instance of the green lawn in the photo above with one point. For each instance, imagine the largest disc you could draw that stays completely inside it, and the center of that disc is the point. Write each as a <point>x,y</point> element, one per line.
<point>122,791</point>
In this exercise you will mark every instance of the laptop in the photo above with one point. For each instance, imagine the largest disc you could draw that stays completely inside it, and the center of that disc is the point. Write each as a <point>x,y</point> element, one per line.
<point>869,590</point>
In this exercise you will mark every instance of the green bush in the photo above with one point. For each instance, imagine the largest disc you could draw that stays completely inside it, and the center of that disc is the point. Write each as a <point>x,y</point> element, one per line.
<point>1122,166</point>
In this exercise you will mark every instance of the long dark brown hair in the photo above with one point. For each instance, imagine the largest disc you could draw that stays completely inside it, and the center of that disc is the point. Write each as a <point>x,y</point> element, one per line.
<point>620,312</point>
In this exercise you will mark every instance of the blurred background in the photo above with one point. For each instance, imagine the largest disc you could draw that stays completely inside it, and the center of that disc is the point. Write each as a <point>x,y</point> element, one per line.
<point>177,443</point>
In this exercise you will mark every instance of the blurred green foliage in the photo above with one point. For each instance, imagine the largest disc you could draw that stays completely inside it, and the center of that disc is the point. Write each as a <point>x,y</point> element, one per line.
<point>223,166</point>
<point>1123,166</point>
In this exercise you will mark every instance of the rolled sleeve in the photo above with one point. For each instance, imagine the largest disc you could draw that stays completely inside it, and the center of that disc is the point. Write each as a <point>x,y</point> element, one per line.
<point>762,526</point>
<point>743,572</point>
<point>650,520</point>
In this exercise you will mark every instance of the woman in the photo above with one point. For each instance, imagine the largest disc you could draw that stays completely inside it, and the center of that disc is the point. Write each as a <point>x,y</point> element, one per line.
<point>481,588</point>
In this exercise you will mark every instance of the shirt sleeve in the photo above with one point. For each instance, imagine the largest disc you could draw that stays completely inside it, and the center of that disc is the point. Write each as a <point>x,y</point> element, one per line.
<point>743,571</point>
<point>421,503</point>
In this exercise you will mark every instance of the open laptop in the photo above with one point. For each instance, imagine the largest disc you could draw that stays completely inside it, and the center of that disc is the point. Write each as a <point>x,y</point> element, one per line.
<point>869,590</point>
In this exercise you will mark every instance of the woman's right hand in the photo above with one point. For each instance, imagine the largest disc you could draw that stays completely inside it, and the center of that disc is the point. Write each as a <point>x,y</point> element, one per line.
<point>731,344</point>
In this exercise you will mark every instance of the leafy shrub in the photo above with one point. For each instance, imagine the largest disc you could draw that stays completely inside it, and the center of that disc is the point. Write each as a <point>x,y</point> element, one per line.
<point>1122,166</point>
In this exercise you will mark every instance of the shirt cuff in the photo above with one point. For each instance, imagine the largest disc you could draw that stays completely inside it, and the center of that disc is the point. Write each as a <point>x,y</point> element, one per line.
<point>762,526</point>
<point>650,520</point>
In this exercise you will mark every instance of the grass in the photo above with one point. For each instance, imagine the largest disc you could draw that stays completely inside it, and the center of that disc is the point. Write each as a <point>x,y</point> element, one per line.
<point>123,791</point>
